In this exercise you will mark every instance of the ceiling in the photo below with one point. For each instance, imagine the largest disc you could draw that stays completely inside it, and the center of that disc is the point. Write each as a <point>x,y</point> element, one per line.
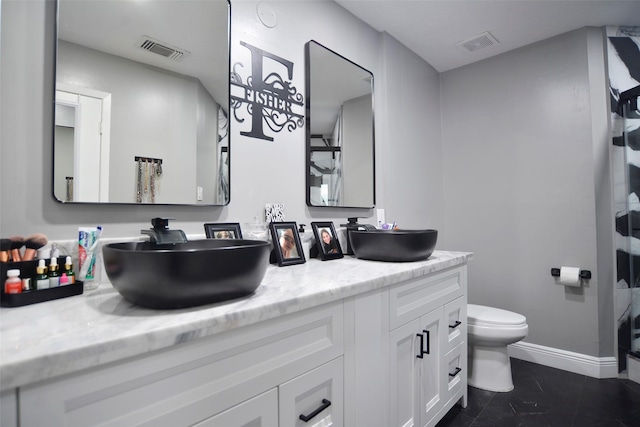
<point>432,28</point>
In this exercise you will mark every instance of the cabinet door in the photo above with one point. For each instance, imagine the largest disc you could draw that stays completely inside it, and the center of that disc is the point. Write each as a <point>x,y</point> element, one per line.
<point>430,376</point>
<point>9,408</point>
<point>316,396</point>
<point>404,366</point>
<point>261,411</point>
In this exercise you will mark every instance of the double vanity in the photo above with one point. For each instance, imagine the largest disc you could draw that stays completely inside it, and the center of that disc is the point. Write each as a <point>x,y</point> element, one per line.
<point>347,342</point>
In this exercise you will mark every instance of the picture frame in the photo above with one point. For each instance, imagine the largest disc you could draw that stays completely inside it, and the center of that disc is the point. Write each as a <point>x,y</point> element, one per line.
<point>327,241</point>
<point>286,243</point>
<point>223,230</point>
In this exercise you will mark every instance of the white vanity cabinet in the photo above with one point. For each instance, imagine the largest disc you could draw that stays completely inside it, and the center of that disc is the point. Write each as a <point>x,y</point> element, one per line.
<point>419,351</point>
<point>427,356</point>
<point>354,343</point>
<point>194,381</point>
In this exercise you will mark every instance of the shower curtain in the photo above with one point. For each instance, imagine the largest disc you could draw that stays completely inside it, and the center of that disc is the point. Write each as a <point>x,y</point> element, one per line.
<point>624,81</point>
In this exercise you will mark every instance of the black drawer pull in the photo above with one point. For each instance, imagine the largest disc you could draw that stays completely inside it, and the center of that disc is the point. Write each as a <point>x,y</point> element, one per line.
<point>325,404</point>
<point>455,325</point>
<point>422,350</point>
<point>456,372</point>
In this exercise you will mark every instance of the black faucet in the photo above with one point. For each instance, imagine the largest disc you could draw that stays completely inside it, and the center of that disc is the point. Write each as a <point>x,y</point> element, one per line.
<point>353,225</point>
<point>161,235</point>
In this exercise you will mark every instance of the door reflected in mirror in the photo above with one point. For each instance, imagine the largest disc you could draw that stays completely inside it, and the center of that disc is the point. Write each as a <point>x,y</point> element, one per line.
<point>142,101</point>
<point>340,130</point>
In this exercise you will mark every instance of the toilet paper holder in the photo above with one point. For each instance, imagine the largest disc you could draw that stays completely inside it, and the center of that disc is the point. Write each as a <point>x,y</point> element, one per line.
<point>584,274</point>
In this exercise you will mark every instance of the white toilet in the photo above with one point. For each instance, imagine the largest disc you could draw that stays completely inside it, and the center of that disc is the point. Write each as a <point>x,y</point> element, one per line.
<point>490,331</point>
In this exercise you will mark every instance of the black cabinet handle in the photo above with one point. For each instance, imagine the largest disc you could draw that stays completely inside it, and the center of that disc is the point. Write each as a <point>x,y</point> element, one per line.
<point>422,350</point>
<point>455,325</point>
<point>420,356</point>
<point>428,341</point>
<point>325,404</point>
<point>456,372</point>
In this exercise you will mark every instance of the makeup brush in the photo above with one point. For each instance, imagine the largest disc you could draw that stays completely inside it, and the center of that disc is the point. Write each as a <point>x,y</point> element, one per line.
<point>5,247</point>
<point>17,242</point>
<point>32,244</point>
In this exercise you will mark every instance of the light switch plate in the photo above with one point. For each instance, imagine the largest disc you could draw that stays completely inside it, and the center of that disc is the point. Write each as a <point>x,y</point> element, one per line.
<point>200,194</point>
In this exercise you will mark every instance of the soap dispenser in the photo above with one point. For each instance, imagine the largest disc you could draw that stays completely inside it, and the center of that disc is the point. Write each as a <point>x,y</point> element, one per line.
<point>306,239</point>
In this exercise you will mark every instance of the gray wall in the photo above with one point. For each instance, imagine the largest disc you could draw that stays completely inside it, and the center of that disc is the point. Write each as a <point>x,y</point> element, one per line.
<point>155,113</point>
<point>257,172</point>
<point>527,185</point>
<point>409,164</point>
<point>515,174</point>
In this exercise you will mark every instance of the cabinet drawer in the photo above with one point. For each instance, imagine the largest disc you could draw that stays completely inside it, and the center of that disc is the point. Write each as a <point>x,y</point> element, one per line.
<point>317,396</point>
<point>261,411</point>
<point>191,381</point>
<point>455,372</point>
<point>455,316</point>
<point>416,297</point>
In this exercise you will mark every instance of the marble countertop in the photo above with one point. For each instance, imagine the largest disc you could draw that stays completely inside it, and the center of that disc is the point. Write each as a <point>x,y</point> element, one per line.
<point>46,340</point>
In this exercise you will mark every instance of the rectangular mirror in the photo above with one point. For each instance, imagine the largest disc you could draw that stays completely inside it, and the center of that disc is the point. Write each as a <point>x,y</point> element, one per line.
<point>142,102</point>
<point>340,130</point>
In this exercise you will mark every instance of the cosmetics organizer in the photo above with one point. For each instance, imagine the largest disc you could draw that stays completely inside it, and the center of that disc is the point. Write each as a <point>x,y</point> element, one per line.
<point>28,271</point>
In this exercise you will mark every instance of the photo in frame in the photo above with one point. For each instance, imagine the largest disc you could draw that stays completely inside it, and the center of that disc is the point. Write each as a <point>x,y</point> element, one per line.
<point>286,242</point>
<point>223,230</point>
<point>327,241</point>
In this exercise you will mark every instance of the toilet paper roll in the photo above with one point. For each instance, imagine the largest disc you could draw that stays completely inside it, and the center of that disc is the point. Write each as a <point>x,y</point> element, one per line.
<point>570,276</point>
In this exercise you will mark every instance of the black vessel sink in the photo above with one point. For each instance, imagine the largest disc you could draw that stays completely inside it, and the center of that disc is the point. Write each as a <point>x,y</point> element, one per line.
<point>393,245</point>
<point>186,274</point>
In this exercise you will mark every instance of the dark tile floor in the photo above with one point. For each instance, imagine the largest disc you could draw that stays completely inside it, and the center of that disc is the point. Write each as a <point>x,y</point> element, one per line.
<point>548,397</point>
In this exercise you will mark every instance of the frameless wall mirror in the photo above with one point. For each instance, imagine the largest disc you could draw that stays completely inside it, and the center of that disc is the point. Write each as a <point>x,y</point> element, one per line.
<point>340,130</point>
<point>142,102</point>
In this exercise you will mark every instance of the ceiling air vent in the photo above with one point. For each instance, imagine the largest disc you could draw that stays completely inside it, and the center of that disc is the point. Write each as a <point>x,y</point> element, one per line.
<point>162,48</point>
<point>478,42</point>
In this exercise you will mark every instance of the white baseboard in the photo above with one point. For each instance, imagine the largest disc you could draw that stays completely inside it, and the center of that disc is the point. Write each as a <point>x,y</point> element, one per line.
<point>596,367</point>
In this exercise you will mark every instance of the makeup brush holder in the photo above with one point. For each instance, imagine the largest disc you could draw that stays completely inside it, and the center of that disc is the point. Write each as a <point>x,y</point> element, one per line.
<point>28,271</point>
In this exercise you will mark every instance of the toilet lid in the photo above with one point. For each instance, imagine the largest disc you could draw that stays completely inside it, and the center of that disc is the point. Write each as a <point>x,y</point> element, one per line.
<point>480,314</point>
